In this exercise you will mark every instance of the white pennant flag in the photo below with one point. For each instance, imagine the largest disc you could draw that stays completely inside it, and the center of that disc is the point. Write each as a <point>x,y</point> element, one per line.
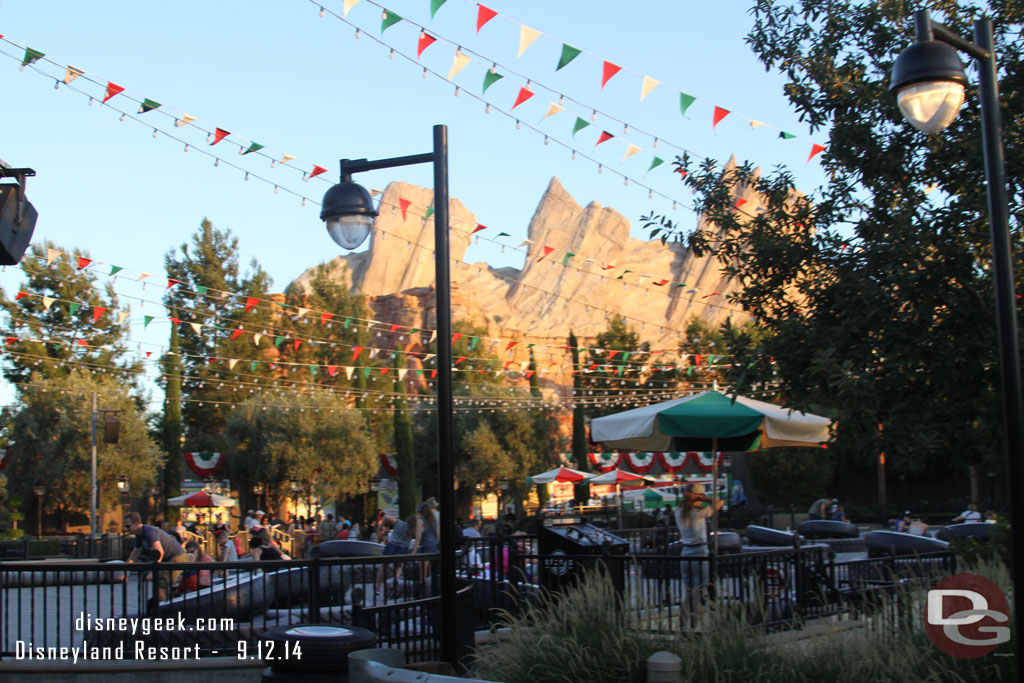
<point>302,311</point>
<point>231,363</point>
<point>553,109</point>
<point>524,243</point>
<point>433,336</point>
<point>122,316</point>
<point>402,372</point>
<point>349,371</point>
<point>71,74</point>
<point>144,276</point>
<point>526,37</point>
<point>755,124</point>
<point>633,149</point>
<point>51,254</point>
<point>649,85</point>
<point>428,357</point>
<point>198,327</point>
<point>256,338</point>
<point>349,4</point>
<point>47,302</point>
<point>458,64</point>
<point>184,120</point>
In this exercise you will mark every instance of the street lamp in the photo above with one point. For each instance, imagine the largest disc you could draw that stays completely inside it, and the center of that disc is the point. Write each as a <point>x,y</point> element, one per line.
<point>257,491</point>
<point>375,484</point>
<point>39,490</point>
<point>928,80</point>
<point>348,211</point>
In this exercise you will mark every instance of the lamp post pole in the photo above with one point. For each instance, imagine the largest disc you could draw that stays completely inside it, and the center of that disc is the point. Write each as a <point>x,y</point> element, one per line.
<point>349,201</point>
<point>912,68</point>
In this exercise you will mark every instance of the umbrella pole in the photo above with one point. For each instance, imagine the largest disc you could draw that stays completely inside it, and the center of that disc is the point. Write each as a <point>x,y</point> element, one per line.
<point>618,492</point>
<point>714,512</point>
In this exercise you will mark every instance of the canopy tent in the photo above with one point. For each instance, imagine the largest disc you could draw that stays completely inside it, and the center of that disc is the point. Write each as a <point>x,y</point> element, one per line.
<point>557,474</point>
<point>202,499</point>
<point>618,477</point>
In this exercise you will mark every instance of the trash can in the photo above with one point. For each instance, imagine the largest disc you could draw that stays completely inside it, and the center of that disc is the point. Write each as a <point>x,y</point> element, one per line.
<point>557,541</point>
<point>310,652</point>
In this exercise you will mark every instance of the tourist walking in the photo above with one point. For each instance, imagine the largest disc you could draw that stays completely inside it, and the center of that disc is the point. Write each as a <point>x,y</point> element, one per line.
<point>397,544</point>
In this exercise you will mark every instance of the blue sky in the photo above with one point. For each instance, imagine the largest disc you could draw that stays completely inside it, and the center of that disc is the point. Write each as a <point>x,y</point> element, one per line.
<point>275,72</point>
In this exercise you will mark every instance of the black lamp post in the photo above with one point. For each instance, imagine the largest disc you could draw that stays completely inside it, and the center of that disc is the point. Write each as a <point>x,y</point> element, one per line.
<point>928,80</point>
<point>257,491</point>
<point>39,489</point>
<point>348,211</point>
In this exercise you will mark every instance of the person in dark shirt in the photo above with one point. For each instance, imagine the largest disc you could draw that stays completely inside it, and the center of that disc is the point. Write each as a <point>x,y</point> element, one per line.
<point>159,542</point>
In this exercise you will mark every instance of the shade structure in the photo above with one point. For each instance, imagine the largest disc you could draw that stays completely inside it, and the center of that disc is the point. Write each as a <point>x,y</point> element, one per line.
<point>617,477</point>
<point>557,474</point>
<point>202,499</point>
<point>710,420</point>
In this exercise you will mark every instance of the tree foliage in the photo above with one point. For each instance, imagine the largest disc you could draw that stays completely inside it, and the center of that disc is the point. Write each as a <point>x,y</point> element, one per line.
<point>875,290</point>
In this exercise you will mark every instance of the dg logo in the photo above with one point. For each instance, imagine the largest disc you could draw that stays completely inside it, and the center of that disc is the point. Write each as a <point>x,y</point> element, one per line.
<point>966,616</point>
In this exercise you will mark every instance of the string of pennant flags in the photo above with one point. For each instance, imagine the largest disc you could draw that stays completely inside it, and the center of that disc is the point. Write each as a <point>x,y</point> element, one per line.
<point>567,55</point>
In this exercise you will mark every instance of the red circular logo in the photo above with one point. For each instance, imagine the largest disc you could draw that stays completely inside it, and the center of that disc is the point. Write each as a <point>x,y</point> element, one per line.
<point>967,616</point>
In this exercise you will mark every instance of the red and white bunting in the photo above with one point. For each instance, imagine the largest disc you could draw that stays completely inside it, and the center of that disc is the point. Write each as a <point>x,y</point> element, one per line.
<point>390,463</point>
<point>673,462</point>
<point>640,462</point>
<point>205,464</point>
<point>605,462</point>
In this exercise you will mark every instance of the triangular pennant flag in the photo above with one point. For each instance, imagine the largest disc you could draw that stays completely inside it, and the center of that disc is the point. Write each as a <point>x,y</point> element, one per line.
<point>348,4</point>
<point>579,125</point>
<point>148,105</point>
<point>459,63</point>
<point>510,345</point>
<point>655,162</point>
<point>608,71</point>
<point>456,337</point>
<point>218,135</point>
<point>565,259</point>
<point>114,270</point>
<point>112,89</point>
<point>569,53</point>
<point>472,343</point>
<point>553,109</point>
<point>300,311</point>
<point>47,302</point>
<point>356,350</point>
<point>604,137</point>
<point>389,20</point>
<point>171,283</point>
<point>786,136</point>
<point>430,212</point>
<point>143,276</point>
<point>317,170</point>
<point>231,363</point>
<point>425,41</point>
<point>433,336</point>
<point>402,372</point>
<point>660,283</point>
<point>526,37</point>
<point>649,84</point>
<point>51,254</point>
<point>349,371</point>
<point>529,374</point>
<point>297,343</point>
<point>461,358</point>
<point>250,303</point>
<point>285,158</point>
<point>435,5</point>
<point>278,341</point>
<point>202,289</point>
<point>83,262</point>
<point>73,308</point>
<point>325,317</point>
<point>755,124</point>
<point>630,151</point>
<point>524,95</point>
<point>490,78</point>
<point>256,337</point>
<point>483,15</point>
<point>146,320</point>
<point>71,74</point>
<point>503,234</point>
<point>366,372</point>
<point>815,150</point>
<point>685,101</point>
<point>718,116</point>
<point>332,370</point>
<point>20,295</point>
<point>478,228</point>
<point>238,332</point>
<point>184,120</point>
<point>197,327</point>
<point>253,147</point>
<point>31,56</point>
<point>405,204</point>
<point>82,342</point>
<point>547,250</point>
<point>97,312</point>
<point>740,201</point>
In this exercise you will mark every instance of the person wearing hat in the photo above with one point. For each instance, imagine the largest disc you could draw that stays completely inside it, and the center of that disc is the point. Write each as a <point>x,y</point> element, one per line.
<point>838,513</point>
<point>250,520</point>
<point>691,518</point>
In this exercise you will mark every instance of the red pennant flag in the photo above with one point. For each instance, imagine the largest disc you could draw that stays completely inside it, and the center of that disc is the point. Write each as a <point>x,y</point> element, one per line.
<point>112,90</point>
<point>609,267</point>
<point>171,283</point>
<point>478,228</point>
<point>356,350</point>
<point>697,358</point>
<point>718,116</point>
<point>218,135</point>
<point>605,137</point>
<point>609,71</point>
<point>11,340</point>
<point>297,343</point>
<point>82,342</point>
<point>317,170</point>
<point>510,345</point>
<point>483,15</point>
<point>148,354</point>
<point>237,333</point>
<point>524,95</point>
<point>661,283</point>
<point>740,201</point>
<point>384,371</point>
<point>461,358</point>
<point>612,354</point>
<point>711,294</point>
<point>456,337</point>
<point>405,204</point>
<point>250,303</point>
<point>20,295</point>
<point>816,149</point>
<point>98,311</point>
<point>433,374</point>
<point>547,250</point>
<point>83,262</point>
<point>332,370</point>
<point>425,42</point>
<point>211,360</point>
<point>393,328</point>
<point>529,374</point>
<point>176,321</point>
<point>325,317</point>
<point>508,363</point>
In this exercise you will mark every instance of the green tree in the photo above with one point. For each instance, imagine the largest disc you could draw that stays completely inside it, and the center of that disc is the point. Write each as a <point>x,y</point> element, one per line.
<point>51,432</point>
<point>405,450</point>
<point>171,427</point>
<point>617,367</point>
<point>875,289</point>
<point>66,321</point>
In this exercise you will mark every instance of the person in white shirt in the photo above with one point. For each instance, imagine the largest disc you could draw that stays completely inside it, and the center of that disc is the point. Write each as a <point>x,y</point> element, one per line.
<point>971,514</point>
<point>250,520</point>
<point>473,530</point>
<point>691,518</point>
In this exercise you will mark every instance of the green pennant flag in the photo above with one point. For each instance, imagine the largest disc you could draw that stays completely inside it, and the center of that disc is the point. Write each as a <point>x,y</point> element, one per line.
<point>623,274</point>
<point>435,5</point>
<point>148,105</point>
<point>31,56</point>
<point>655,163</point>
<point>390,19</point>
<point>786,136</point>
<point>579,125</point>
<point>503,234</point>
<point>253,147</point>
<point>115,269</point>
<point>685,101</point>
<point>626,355</point>
<point>689,370</point>
<point>565,261</point>
<point>278,341</point>
<point>413,331</point>
<point>146,320</point>
<point>530,346</point>
<point>73,308</point>
<point>569,53</point>
<point>430,211</point>
<point>419,373</point>
<point>252,365</point>
<point>619,373</point>
<point>366,373</point>
<point>472,343</point>
<point>312,370</point>
<point>202,289</point>
<point>347,322</point>
<point>490,78</point>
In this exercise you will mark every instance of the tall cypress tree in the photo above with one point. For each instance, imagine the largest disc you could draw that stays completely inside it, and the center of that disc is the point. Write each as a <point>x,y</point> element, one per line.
<point>172,427</point>
<point>404,450</point>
